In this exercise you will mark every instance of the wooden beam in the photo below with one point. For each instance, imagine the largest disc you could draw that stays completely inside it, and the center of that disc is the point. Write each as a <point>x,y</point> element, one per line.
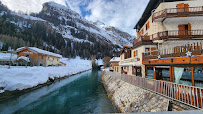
<point>192,72</point>
<point>171,73</point>
<point>154,72</point>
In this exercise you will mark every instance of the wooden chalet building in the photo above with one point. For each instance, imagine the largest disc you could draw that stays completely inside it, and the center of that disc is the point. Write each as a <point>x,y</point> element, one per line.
<point>114,64</point>
<point>39,57</point>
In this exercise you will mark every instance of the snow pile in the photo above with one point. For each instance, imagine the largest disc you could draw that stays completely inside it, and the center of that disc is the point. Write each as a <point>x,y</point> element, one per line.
<point>19,78</point>
<point>7,56</point>
<point>24,58</point>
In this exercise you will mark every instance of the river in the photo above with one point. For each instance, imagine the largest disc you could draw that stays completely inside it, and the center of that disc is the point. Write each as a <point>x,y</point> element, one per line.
<point>82,93</point>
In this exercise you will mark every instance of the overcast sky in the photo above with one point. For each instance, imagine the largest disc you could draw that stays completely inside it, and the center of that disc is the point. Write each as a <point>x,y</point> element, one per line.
<point>122,14</point>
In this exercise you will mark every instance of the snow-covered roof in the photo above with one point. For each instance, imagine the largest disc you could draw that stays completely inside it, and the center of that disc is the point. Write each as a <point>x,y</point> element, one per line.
<point>115,59</point>
<point>24,58</point>
<point>6,57</point>
<point>37,50</point>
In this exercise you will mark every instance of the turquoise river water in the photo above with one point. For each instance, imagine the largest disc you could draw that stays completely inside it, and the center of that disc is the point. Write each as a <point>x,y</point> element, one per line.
<point>82,93</point>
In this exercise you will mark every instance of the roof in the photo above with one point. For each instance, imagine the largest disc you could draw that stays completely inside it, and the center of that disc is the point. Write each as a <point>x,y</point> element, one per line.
<point>6,57</point>
<point>37,50</point>
<point>115,59</point>
<point>124,48</point>
<point>24,58</point>
<point>153,4</point>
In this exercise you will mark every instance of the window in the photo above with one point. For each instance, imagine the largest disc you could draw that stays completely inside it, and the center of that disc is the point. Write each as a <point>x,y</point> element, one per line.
<point>150,72</point>
<point>135,53</point>
<point>147,50</point>
<point>42,57</point>
<point>48,58</point>
<point>142,31</point>
<point>162,73</point>
<point>198,76</point>
<point>147,26</point>
<point>183,75</point>
<point>57,59</point>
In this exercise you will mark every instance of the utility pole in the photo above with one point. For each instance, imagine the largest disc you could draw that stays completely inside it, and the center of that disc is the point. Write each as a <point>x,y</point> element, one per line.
<point>10,61</point>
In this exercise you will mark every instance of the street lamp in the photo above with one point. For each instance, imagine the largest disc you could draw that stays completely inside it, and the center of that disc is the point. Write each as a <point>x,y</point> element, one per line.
<point>10,51</point>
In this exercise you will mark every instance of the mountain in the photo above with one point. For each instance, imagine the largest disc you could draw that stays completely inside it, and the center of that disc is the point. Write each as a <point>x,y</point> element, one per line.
<point>69,22</point>
<point>59,29</point>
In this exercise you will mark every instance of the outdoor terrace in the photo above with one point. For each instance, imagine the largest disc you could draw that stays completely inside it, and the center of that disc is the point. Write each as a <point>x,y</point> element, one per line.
<point>160,16</point>
<point>178,35</point>
<point>142,41</point>
<point>184,54</point>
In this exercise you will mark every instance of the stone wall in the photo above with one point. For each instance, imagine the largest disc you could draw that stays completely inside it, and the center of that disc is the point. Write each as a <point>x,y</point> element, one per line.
<point>128,98</point>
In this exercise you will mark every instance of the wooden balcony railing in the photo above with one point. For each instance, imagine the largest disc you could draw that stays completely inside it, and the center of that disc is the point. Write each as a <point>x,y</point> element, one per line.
<point>141,40</point>
<point>177,12</point>
<point>178,51</point>
<point>189,95</point>
<point>178,35</point>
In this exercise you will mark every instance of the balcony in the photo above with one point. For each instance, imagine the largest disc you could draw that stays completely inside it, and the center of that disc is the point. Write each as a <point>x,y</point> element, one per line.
<point>142,41</point>
<point>184,54</point>
<point>179,35</point>
<point>177,12</point>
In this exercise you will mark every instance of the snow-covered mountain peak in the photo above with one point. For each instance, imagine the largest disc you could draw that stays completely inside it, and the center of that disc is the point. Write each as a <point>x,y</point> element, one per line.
<point>63,10</point>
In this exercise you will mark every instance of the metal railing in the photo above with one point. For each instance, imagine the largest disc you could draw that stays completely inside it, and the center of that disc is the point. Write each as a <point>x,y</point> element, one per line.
<point>177,12</point>
<point>196,48</point>
<point>189,95</point>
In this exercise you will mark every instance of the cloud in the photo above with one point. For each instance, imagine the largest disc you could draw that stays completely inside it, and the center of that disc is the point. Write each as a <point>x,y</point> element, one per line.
<point>28,5</point>
<point>123,14</point>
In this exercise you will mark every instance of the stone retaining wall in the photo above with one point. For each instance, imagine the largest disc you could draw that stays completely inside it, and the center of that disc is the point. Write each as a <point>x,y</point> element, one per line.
<point>128,98</point>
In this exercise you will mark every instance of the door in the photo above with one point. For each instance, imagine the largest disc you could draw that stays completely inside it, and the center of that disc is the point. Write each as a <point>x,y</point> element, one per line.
<point>189,29</point>
<point>154,52</point>
<point>134,70</point>
<point>182,8</point>
<point>184,29</point>
<point>181,29</point>
<point>138,71</point>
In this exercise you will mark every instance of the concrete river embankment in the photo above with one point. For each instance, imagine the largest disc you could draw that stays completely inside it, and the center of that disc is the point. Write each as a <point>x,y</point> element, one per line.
<point>129,98</point>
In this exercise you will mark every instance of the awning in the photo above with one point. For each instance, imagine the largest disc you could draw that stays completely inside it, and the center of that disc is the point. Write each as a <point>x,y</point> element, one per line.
<point>162,66</point>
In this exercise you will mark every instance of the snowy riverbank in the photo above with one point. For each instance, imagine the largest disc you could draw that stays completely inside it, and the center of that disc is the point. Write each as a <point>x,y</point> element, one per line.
<point>19,78</point>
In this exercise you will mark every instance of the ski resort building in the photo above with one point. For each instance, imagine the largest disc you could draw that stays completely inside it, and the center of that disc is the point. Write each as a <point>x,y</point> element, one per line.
<point>169,51</point>
<point>175,26</point>
<point>39,57</point>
